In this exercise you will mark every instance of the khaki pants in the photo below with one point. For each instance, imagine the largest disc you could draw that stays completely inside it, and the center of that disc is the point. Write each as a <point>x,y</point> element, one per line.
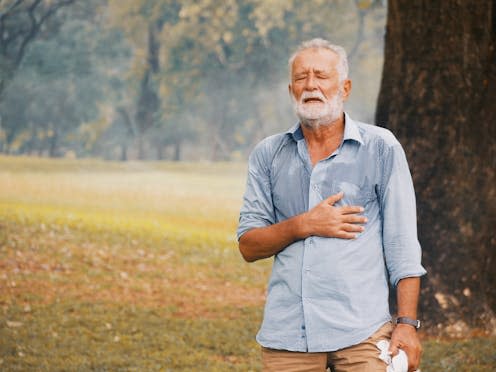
<point>363,357</point>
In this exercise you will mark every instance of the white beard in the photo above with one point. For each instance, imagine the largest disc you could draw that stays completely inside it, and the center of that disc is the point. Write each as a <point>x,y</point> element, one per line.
<point>317,114</point>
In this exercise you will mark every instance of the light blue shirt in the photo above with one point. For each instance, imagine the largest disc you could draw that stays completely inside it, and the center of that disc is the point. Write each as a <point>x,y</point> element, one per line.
<point>328,293</point>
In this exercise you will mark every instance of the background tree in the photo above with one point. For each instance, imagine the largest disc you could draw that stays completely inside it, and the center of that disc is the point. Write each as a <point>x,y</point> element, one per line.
<point>241,50</point>
<point>142,22</point>
<point>21,22</point>
<point>61,84</point>
<point>193,79</point>
<point>438,93</point>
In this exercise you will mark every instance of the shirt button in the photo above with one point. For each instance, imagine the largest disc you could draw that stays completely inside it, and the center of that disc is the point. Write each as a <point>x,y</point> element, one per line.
<point>303,327</point>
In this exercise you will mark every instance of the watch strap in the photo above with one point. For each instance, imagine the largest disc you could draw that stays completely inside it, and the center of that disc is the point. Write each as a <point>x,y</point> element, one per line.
<point>405,320</point>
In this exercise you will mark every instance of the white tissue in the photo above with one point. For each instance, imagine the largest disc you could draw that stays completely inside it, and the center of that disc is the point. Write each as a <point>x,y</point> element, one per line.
<point>398,363</point>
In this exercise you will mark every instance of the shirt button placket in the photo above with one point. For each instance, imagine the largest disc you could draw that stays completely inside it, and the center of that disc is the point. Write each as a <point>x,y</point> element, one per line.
<point>305,284</point>
<point>314,198</point>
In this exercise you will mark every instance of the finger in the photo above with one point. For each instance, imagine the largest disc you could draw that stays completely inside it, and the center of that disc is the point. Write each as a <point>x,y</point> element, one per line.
<point>350,218</point>
<point>346,235</point>
<point>393,349</point>
<point>349,227</point>
<point>412,367</point>
<point>351,209</point>
<point>334,198</point>
<point>413,360</point>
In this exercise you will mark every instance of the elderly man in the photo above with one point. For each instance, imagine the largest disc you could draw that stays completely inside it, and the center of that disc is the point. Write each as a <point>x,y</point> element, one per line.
<point>332,201</point>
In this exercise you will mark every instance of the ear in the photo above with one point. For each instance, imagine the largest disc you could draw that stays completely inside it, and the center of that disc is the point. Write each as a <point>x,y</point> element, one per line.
<point>346,89</point>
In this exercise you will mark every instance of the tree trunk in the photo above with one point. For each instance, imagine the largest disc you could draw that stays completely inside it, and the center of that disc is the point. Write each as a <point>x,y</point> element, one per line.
<point>437,95</point>
<point>148,102</point>
<point>160,151</point>
<point>177,151</point>
<point>141,147</point>
<point>124,152</point>
<point>52,151</point>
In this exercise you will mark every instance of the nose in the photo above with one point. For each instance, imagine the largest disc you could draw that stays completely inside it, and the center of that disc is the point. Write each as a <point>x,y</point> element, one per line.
<point>310,82</point>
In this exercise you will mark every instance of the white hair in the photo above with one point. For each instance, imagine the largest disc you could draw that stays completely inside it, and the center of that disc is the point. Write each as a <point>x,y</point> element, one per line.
<point>318,43</point>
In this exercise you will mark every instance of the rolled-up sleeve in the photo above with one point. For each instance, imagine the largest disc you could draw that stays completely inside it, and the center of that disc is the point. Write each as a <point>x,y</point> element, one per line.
<point>400,242</point>
<point>257,209</point>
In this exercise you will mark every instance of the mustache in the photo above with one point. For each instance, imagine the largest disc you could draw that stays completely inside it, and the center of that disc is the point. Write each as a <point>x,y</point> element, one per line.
<point>309,96</point>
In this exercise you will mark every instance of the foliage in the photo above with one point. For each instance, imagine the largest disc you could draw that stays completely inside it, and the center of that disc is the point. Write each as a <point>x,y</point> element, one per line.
<point>154,79</point>
<point>57,91</point>
<point>21,21</point>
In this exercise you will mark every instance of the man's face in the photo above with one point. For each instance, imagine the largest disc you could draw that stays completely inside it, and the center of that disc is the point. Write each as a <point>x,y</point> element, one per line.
<point>318,94</point>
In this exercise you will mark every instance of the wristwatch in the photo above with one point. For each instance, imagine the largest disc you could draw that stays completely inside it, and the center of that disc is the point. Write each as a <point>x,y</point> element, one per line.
<point>404,320</point>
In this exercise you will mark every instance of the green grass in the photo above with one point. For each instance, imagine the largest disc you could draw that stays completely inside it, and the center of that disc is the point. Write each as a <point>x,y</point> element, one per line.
<point>100,336</point>
<point>472,355</point>
<point>134,267</point>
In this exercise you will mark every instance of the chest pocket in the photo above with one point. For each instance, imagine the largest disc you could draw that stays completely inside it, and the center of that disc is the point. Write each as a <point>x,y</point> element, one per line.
<point>354,194</point>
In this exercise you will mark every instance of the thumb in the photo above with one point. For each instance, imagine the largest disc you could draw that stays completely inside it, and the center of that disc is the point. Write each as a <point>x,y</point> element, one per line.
<point>334,198</point>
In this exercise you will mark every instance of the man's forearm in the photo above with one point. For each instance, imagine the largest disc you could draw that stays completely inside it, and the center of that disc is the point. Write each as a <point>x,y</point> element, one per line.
<point>408,291</point>
<point>405,336</point>
<point>267,241</point>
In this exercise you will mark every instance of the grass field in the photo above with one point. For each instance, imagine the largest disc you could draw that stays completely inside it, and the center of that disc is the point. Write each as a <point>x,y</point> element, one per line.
<point>134,267</point>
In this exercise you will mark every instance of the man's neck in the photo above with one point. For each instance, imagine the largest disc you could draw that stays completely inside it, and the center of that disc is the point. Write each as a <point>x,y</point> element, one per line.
<point>323,140</point>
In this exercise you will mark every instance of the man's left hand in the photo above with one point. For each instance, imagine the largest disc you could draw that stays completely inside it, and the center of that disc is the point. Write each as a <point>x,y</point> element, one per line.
<point>405,337</point>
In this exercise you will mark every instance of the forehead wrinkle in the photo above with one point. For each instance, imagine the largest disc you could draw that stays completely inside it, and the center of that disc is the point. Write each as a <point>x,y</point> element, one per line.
<point>317,45</point>
<point>314,69</point>
<point>307,66</point>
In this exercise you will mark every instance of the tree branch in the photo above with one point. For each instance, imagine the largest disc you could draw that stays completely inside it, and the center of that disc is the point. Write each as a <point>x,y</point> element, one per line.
<point>36,25</point>
<point>3,15</point>
<point>31,34</point>
<point>22,29</point>
<point>12,7</point>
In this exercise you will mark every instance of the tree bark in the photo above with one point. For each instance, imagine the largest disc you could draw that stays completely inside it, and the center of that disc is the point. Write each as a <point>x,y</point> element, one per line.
<point>438,96</point>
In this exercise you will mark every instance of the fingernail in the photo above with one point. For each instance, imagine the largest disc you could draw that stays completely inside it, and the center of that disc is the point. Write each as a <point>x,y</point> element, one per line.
<point>361,209</point>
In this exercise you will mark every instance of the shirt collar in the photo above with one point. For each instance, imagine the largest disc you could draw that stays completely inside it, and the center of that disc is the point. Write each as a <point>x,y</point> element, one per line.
<point>351,131</point>
<point>295,132</point>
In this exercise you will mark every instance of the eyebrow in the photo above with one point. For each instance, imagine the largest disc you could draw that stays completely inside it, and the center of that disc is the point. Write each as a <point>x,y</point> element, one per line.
<point>307,70</point>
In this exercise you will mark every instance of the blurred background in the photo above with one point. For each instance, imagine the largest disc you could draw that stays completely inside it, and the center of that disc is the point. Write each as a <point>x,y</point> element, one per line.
<point>179,80</point>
